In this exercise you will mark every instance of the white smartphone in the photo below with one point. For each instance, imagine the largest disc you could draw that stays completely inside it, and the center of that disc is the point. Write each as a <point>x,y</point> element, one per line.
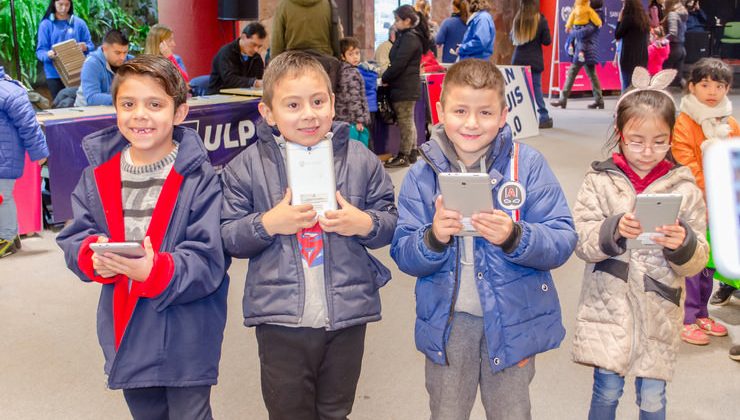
<point>124,249</point>
<point>722,179</point>
<point>467,193</point>
<point>311,175</point>
<point>654,210</point>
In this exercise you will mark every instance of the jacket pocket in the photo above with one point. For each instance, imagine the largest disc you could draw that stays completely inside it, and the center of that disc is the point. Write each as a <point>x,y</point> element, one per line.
<point>663,312</point>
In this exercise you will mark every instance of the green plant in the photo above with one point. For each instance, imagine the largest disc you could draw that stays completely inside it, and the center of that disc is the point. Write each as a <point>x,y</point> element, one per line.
<point>28,14</point>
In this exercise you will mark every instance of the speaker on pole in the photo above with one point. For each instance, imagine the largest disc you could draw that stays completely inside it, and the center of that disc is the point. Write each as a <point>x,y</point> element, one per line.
<point>238,9</point>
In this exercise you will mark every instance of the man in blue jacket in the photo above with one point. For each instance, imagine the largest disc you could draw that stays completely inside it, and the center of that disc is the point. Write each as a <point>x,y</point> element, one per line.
<point>19,133</point>
<point>100,68</point>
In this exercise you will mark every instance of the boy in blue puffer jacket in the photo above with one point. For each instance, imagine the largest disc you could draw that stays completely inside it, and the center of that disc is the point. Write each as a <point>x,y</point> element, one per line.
<point>485,304</point>
<point>311,286</point>
<point>19,133</point>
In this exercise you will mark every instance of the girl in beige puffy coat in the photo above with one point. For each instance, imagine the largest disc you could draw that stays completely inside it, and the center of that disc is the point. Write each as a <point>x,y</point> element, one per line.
<point>631,307</point>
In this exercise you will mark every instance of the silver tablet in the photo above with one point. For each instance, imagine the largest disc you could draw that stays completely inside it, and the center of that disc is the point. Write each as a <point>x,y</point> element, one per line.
<point>654,210</point>
<point>124,249</point>
<point>311,175</point>
<point>467,193</point>
<point>722,176</point>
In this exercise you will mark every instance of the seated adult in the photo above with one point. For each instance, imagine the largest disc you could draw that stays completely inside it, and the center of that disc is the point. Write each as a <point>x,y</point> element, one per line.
<point>99,69</point>
<point>238,64</point>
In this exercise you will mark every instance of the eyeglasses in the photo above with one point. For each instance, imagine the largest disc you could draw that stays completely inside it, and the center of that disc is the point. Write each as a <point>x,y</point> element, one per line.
<point>640,147</point>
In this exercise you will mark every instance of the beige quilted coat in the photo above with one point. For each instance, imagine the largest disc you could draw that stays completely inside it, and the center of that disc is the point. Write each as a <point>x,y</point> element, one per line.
<point>630,312</point>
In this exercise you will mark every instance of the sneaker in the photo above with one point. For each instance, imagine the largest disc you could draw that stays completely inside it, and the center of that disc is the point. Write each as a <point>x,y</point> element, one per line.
<point>735,353</point>
<point>17,242</point>
<point>693,334</point>
<point>399,161</point>
<point>722,296</point>
<point>709,326</point>
<point>546,123</point>
<point>7,247</point>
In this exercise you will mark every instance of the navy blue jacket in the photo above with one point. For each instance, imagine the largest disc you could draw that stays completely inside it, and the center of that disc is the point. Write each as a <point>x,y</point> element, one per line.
<point>450,35</point>
<point>19,131</point>
<point>521,311</point>
<point>254,182</point>
<point>173,336</point>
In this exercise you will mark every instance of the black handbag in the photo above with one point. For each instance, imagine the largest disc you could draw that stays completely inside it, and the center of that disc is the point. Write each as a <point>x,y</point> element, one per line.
<point>385,109</point>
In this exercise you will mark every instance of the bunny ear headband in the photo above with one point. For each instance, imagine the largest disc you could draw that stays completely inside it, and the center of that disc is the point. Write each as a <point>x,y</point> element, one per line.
<point>642,81</point>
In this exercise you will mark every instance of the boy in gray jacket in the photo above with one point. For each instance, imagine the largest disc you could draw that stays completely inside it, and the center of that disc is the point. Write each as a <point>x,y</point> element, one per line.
<point>311,285</point>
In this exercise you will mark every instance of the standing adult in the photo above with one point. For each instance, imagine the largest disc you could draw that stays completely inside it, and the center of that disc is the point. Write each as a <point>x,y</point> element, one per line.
<point>478,39</point>
<point>59,25</point>
<point>100,68</point>
<point>586,42</point>
<point>306,25</point>
<point>633,29</point>
<point>403,78</point>
<point>453,29</point>
<point>530,32</point>
<point>20,134</point>
<point>675,27</point>
<point>161,41</point>
<point>239,64</point>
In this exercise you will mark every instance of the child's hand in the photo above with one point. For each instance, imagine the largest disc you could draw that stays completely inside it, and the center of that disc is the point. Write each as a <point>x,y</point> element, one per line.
<point>674,236</point>
<point>446,223</point>
<point>98,265</point>
<point>137,269</point>
<point>284,219</point>
<point>359,127</point>
<point>629,227</point>
<point>495,227</point>
<point>348,221</point>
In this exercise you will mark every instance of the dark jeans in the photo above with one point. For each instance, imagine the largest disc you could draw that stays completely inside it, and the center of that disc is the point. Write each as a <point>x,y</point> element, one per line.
<point>309,373</point>
<point>164,403</point>
<point>55,85</point>
<point>675,61</point>
<point>571,77</point>
<point>539,100</point>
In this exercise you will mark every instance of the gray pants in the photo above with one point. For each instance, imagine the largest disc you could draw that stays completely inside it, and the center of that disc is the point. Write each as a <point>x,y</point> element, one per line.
<point>407,125</point>
<point>571,78</point>
<point>452,389</point>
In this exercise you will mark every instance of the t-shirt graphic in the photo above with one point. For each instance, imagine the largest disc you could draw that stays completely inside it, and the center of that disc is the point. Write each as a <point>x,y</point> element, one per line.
<point>312,245</point>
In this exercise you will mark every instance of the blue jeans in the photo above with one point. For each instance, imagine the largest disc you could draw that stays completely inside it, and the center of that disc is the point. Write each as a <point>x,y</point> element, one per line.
<point>8,216</point>
<point>608,388</point>
<point>539,100</point>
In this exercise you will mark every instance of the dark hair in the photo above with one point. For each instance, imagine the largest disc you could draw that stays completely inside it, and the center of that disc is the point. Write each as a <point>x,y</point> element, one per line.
<point>713,69</point>
<point>635,13</point>
<point>158,68</point>
<point>641,105</point>
<point>347,43</point>
<point>477,74</point>
<point>418,22</point>
<point>462,6</point>
<point>478,5</point>
<point>290,64</point>
<point>114,36</point>
<point>52,9</point>
<point>255,28</point>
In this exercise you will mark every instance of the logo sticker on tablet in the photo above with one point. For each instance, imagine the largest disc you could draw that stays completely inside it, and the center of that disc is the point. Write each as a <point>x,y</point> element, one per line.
<point>511,195</point>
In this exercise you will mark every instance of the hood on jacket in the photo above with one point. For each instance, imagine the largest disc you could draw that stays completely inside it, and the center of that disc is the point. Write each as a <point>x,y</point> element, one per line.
<point>266,133</point>
<point>679,173</point>
<point>441,155</point>
<point>101,146</point>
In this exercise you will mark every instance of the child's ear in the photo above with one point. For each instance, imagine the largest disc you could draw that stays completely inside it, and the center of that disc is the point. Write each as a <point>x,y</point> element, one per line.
<point>333,113</point>
<point>266,113</point>
<point>504,114</point>
<point>181,113</point>
<point>440,112</point>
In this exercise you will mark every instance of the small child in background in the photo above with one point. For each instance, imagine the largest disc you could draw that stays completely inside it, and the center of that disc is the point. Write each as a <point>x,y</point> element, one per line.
<point>369,72</point>
<point>658,50</point>
<point>351,101</point>
<point>629,314</point>
<point>706,117</point>
<point>581,15</point>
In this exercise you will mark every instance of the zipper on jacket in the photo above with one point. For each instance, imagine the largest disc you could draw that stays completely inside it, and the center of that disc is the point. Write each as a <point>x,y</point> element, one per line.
<point>327,282</point>
<point>454,291</point>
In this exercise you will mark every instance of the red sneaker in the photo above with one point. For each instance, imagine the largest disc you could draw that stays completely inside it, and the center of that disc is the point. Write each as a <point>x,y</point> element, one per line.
<point>709,326</point>
<point>693,334</point>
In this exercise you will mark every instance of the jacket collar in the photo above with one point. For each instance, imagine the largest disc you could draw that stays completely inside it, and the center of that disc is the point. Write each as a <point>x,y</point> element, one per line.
<point>101,146</point>
<point>266,134</point>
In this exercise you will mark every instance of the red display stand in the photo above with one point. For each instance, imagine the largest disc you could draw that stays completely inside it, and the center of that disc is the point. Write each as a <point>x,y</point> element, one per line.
<point>27,193</point>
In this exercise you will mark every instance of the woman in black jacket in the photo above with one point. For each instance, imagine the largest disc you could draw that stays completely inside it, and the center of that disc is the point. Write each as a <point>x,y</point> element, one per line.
<point>633,29</point>
<point>403,78</point>
<point>529,33</point>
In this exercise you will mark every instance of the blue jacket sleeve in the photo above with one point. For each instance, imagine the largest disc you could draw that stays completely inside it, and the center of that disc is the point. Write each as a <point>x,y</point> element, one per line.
<point>43,43</point>
<point>442,34</point>
<point>90,81</point>
<point>415,214</point>
<point>379,204</point>
<point>480,38</point>
<point>242,230</point>
<point>83,35</point>
<point>548,234</point>
<point>22,115</point>
<point>199,259</point>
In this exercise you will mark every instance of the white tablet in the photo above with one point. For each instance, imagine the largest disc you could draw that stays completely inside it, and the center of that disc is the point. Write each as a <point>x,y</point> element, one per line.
<point>467,193</point>
<point>654,210</point>
<point>311,175</point>
<point>124,249</point>
<point>722,179</point>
